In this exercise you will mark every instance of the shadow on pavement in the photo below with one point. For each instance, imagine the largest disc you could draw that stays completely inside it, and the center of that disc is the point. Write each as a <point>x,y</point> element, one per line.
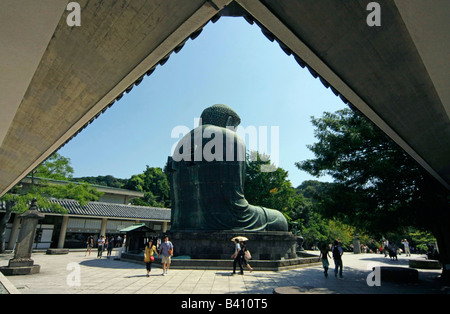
<point>386,260</point>
<point>111,263</point>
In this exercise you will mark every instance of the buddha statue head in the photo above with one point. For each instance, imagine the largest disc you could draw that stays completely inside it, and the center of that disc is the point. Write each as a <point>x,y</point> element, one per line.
<point>220,115</point>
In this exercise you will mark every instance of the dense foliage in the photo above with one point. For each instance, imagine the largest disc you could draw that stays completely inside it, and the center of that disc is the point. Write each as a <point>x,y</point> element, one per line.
<point>56,167</point>
<point>378,188</point>
<point>107,180</point>
<point>155,185</point>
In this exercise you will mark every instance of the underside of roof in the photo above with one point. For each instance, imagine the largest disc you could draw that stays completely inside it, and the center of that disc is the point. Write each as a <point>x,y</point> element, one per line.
<point>55,80</point>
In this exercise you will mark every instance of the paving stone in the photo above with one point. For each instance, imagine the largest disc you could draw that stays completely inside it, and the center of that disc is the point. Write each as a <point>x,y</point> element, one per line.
<point>119,277</point>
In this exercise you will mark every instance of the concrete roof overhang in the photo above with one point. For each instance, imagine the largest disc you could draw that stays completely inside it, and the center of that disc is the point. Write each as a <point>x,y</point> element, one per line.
<point>56,79</point>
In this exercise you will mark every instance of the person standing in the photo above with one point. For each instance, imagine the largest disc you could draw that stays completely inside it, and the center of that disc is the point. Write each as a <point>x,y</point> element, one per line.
<point>89,244</point>
<point>110,246</point>
<point>386,247</point>
<point>337,256</point>
<point>100,243</point>
<point>166,250</point>
<point>237,255</point>
<point>149,258</point>
<point>406,246</point>
<point>325,254</point>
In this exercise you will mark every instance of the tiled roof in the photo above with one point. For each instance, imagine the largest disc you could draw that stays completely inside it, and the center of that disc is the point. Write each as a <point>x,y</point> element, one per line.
<point>111,210</point>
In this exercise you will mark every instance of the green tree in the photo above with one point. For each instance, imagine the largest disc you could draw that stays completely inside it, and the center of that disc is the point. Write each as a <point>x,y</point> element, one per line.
<point>107,180</point>
<point>56,167</point>
<point>155,185</point>
<point>421,239</point>
<point>270,189</point>
<point>314,227</point>
<point>377,186</point>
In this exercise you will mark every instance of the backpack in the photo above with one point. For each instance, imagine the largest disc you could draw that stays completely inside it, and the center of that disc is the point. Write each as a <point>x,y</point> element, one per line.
<point>247,255</point>
<point>336,253</point>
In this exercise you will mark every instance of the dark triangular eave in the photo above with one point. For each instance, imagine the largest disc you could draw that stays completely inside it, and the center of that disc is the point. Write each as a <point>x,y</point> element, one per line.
<point>307,30</point>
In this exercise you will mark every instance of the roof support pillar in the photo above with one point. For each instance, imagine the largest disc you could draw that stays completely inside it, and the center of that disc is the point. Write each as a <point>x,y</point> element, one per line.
<point>103,227</point>
<point>62,233</point>
<point>14,232</point>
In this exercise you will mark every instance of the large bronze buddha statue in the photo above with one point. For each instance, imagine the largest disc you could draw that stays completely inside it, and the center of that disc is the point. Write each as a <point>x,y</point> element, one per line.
<point>207,172</point>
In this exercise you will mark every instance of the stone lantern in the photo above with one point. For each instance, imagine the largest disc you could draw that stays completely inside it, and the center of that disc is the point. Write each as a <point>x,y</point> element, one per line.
<point>22,263</point>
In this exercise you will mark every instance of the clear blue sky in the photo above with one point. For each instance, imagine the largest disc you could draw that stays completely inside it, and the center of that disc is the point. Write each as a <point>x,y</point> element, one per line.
<point>231,63</point>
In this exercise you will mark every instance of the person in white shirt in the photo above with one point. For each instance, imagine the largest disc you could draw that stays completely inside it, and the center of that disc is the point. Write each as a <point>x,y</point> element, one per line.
<point>101,244</point>
<point>166,251</point>
<point>406,245</point>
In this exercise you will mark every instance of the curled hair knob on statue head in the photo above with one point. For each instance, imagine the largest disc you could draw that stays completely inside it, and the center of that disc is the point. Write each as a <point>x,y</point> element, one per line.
<point>220,115</point>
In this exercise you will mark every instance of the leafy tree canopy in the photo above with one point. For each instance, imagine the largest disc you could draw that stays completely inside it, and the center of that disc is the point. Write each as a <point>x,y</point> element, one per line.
<point>269,189</point>
<point>107,180</point>
<point>155,185</point>
<point>55,167</point>
<point>377,186</point>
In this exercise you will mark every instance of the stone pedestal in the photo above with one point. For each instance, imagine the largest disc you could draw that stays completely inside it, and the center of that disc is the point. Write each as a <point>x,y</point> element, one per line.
<point>22,264</point>
<point>424,264</point>
<point>271,250</point>
<point>263,245</point>
<point>399,274</point>
<point>57,251</point>
<point>20,268</point>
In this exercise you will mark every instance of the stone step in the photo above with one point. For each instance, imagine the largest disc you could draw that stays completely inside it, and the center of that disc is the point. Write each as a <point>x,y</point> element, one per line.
<point>227,264</point>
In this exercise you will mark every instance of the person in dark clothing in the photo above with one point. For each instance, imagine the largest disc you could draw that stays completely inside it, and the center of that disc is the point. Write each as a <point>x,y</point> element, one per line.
<point>337,256</point>
<point>237,255</point>
<point>89,245</point>
<point>110,246</point>
<point>324,254</point>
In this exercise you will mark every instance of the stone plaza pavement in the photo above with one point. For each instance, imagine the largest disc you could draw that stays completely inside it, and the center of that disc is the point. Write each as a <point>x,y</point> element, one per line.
<point>75,273</point>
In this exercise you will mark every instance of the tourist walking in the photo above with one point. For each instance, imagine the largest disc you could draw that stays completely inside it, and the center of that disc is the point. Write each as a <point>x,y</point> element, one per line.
<point>149,257</point>
<point>337,257</point>
<point>246,256</point>
<point>237,255</point>
<point>325,254</point>
<point>101,244</point>
<point>392,249</point>
<point>89,245</point>
<point>166,250</point>
<point>110,246</point>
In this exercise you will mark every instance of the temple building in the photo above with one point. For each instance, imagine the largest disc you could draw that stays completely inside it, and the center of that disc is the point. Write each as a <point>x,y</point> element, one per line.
<point>110,214</point>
